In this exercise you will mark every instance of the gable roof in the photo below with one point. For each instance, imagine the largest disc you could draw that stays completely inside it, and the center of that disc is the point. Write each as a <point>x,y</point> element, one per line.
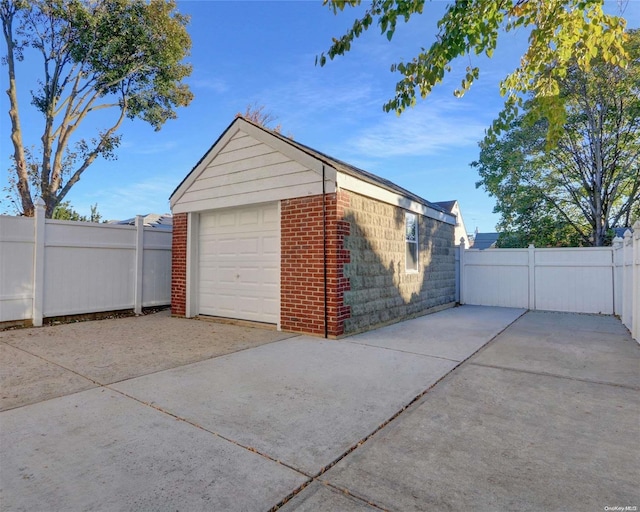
<point>335,163</point>
<point>356,172</point>
<point>485,240</point>
<point>619,232</point>
<point>447,205</point>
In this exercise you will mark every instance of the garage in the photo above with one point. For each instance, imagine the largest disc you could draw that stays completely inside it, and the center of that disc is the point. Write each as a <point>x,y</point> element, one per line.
<point>269,230</point>
<point>239,263</point>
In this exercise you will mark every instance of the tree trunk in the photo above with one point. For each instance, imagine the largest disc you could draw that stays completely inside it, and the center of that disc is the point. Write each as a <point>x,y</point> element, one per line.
<point>16,130</point>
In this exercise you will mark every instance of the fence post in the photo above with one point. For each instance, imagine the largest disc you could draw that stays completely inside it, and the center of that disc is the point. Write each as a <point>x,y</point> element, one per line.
<point>37,312</point>
<point>461,271</point>
<point>627,279</point>
<point>618,269</point>
<point>635,272</point>
<point>532,277</point>
<point>137,306</point>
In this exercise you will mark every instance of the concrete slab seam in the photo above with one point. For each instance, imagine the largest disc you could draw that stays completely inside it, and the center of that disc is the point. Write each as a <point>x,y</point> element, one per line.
<point>345,491</point>
<point>403,351</point>
<point>548,374</point>
<point>102,384</point>
<point>388,421</point>
<point>59,366</point>
<point>351,494</point>
<point>290,496</point>
<point>188,422</point>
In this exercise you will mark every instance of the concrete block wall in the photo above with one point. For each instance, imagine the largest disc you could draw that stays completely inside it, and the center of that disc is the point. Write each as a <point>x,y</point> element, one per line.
<point>381,290</point>
<point>179,265</point>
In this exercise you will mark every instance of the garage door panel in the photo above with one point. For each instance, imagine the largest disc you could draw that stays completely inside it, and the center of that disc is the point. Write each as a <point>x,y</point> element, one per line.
<point>239,263</point>
<point>249,218</point>
<point>225,219</point>
<point>271,306</point>
<point>249,246</point>
<point>271,218</point>
<point>270,277</point>
<point>271,245</point>
<point>250,276</point>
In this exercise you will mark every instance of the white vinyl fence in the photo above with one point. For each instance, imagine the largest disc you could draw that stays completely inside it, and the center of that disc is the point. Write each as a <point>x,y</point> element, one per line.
<point>603,280</point>
<point>53,268</point>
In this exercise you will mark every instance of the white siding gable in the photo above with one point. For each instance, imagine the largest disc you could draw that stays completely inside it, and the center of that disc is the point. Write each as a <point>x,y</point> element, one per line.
<point>248,166</point>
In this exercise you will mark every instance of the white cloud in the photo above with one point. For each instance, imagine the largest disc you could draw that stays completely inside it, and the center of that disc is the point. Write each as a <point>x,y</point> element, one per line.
<point>427,129</point>
<point>309,94</point>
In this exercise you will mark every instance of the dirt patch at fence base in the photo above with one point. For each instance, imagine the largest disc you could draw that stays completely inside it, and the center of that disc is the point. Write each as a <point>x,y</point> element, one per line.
<point>55,360</point>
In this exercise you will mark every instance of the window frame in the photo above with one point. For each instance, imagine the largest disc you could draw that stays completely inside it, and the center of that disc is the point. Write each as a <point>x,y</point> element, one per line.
<point>414,242</point>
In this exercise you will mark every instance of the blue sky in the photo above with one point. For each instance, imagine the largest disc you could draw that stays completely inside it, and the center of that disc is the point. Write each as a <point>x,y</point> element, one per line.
<point>263,52</point>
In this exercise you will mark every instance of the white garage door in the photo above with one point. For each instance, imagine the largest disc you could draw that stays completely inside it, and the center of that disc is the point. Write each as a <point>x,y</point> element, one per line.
<point>239,263</point>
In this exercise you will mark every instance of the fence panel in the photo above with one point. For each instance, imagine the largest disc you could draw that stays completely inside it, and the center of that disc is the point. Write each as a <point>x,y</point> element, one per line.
<point>634,325</point>
<point>156,275</point>
<point>577,280</point>
<point>603,280</point>
<point>16,268</point>
<point>54,268</point>
<point>496,278</point>
<point>88,267</point>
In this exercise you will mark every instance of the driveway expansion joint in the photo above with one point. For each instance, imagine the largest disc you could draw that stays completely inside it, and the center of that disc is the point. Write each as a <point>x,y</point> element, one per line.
<point>342,490</point>
<point>558,376</point>
<point>200,427</point>
<point>53,363</point>
<point>403,351</point>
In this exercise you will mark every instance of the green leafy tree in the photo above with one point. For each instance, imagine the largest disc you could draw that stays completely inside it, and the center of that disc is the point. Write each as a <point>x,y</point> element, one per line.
<point>562,33</point>
<point>574,192</point>
<point>122,56</point>
<point>64,211</point>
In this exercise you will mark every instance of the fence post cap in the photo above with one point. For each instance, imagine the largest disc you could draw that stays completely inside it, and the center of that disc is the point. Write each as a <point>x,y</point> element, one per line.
<point>40,203</point>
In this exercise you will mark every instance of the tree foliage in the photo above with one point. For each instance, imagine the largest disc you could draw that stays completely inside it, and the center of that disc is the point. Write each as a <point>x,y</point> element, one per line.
<point>574,192</point>
<point>121,56</point>
<point>562,33</point>
<point>64,211</point>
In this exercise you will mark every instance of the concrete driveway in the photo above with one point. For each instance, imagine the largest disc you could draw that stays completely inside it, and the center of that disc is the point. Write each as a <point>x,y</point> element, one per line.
<point>472,407</point>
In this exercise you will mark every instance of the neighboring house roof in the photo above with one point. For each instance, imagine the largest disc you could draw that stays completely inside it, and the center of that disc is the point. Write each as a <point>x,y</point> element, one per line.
<point>621,231</point>
<point>447,205</point>
<point>153,220</point>
<point>453,207</point>
<point>485,240</point>
<point>336,164</point>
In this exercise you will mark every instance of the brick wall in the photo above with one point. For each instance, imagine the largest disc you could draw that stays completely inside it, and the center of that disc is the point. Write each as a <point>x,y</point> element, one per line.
<point>302,301</point>
<point>179,265</point>
<point>367,284</point>
<point>381,290</point>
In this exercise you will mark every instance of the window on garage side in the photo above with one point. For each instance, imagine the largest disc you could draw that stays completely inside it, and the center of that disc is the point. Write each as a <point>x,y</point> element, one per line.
<point>411,241</point>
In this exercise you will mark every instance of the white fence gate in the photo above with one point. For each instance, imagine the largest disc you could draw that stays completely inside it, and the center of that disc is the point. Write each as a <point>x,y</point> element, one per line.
<point>603,280</point>
<point>53,268</point>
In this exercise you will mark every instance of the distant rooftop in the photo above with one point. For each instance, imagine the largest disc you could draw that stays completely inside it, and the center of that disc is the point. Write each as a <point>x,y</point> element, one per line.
<point>485,240</point>
<point>151,220</point>
<point>446,205</point>
<point>621,231</point>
